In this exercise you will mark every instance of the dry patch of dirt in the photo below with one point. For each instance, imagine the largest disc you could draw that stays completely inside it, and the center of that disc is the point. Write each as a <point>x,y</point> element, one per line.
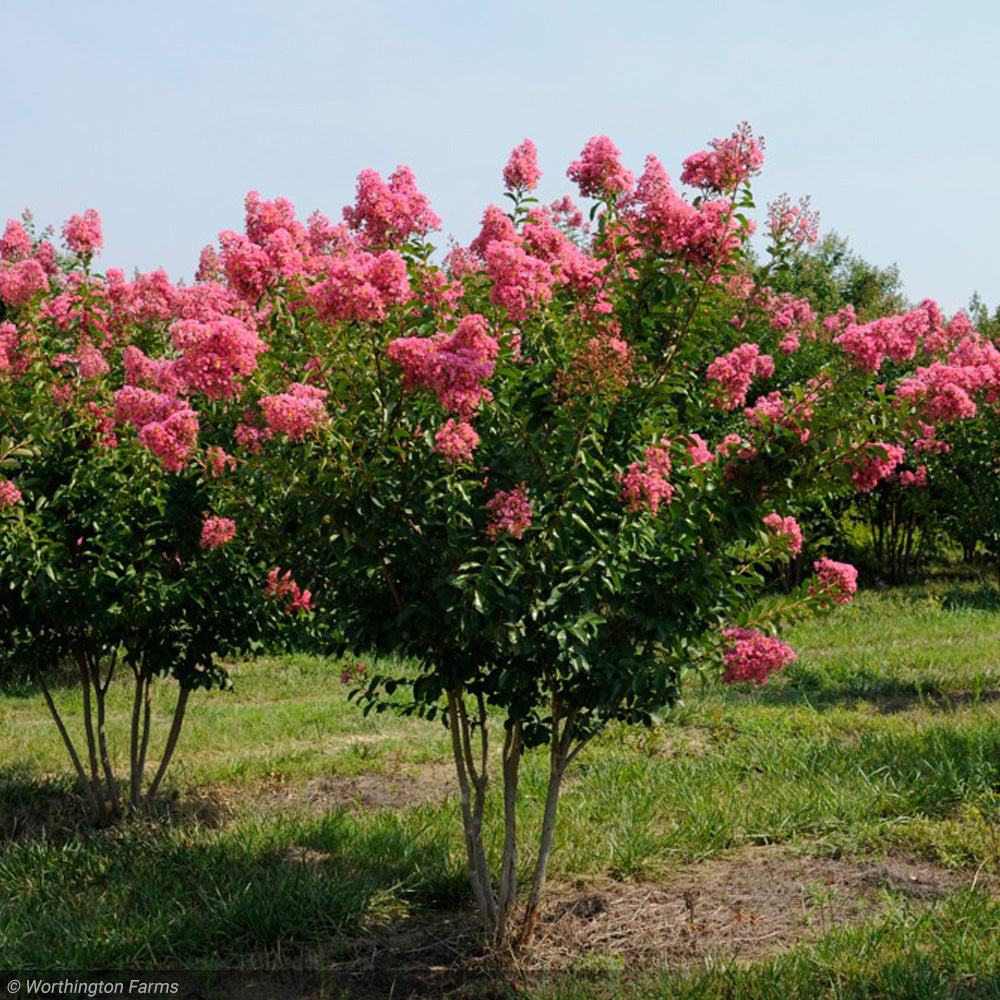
<point>757,902</point>
<point>361,792</point>
<point>748,905</point>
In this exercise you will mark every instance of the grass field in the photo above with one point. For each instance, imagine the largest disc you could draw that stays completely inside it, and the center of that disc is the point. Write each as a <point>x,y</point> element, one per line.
<point>833,834</point>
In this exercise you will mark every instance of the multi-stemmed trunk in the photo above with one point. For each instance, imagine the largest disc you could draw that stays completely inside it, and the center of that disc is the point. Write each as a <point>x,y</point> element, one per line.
<point>507,926</point>
<point>97,777</point>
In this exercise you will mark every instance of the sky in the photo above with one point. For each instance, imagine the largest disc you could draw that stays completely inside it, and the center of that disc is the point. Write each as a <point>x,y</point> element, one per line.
<point>163,116</point>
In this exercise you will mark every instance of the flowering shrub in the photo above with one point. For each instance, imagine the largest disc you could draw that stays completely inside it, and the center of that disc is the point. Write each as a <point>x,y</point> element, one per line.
<point>541,468</point>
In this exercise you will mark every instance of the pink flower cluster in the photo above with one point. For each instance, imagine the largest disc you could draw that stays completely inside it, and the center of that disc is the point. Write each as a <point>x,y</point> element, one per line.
<point>21,282</point>
<point>521,172</point>
<point>786,530</point>
<point>917,477</point>
<point>663,221</point>
<point>599,172</point>
<point>388,214</point>
<point>453,367</point>
<point>510,513</point>
<point>15,244</point>
<point>835,581</point>
<point>361,286</point>
<point>736,370</point>
<point>83,234</point>
<point>297,412</point>
<point>730,162</point>
<point>10,495</point>
<point>214,353</point>
<point>217,531</point>
<point>167,426</point>
<point>521,282</point>
<point>751,656</point>
<point>791,224</point>
<point>871,463</point>
<point>286,589</point>
<point>775,411</point>
<point>456,440</point>
<point>645,484</point>
<point>895,337</point>
<point>698,451</point>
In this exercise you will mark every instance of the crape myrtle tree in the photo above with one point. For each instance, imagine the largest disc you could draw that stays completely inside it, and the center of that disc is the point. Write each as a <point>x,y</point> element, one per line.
<point>125,541</point>
<point>553,470</point>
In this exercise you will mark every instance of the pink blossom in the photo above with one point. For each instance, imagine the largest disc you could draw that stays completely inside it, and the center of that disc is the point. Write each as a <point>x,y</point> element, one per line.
<point>510,513</point>
<point>521,172</point>
<point>209,265</point>
<point>172,440</point>
<point>247,266</point>
<point>872,463</point>
<point>360,286</point>
<point>774,411</point>
<point>453,367</point>
<point>9,347</point>
<point>215,353</point>
<point>388,214</point>
<point>83,234</point>
<point>15,244</point>
<point>10,495</point>
<point>599,172</point>
<point>286,589</point>
<point>698,451</point>
<point>645,484</point>
<point>752,656</point>
<point>22,281</point>
<point>785,530</point>
<point>297,412</point>
<point>218,461</point>
<point>521,282</point>
<point>494,227</point>
<point>730,162</point>
<point>835,581</point>
<point>217,531</point>
<point>917,477</point>
<point>456,440</point>
<point>736,370</point>
<point>791,224</point>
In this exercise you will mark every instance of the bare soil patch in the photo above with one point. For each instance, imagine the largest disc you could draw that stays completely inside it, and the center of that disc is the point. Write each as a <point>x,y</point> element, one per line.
<point>751,904</point>
<point>360,792</point>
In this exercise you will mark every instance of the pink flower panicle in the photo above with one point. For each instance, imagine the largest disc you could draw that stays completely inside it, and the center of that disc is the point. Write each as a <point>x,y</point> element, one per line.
<point>522,283</point>
<point>835,582</point>
<point>751,656</point>
<point>453,367</point>
<point>645,485</point>
<point>510,513</point>
<point>218,461</point>
<point>698,451</point>
<point>297,412</point>
<point>286,589</point>
<point>167,426</point>
<point>217,531</point>
<point>521,172</point>
<point>792,225</point>
<point>735,371</point>
<point>915,478</point>
<point>872,463</point>
<point>361,286</point>
<point>599,172</point>
<point>15,244</point>
<point>22,281</point>
<point>214,353</point>
<point>83,234</point>
<point>730,162</point>
<point>785,530</point>
<point>10,495</point>
<point>387,214</point>
<point>456,440</point>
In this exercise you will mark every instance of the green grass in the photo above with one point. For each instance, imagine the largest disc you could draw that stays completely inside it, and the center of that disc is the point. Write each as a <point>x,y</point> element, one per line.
<point>882,736</point>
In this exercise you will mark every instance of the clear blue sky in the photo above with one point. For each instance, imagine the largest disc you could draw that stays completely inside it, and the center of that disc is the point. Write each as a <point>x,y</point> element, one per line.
<point>162,116</point>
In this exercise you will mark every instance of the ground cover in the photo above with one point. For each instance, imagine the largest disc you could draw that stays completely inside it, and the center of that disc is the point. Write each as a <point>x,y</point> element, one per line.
<point>834,833</point>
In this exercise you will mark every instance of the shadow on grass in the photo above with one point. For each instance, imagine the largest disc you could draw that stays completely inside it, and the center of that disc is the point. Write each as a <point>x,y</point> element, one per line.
<point>886,695</point>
